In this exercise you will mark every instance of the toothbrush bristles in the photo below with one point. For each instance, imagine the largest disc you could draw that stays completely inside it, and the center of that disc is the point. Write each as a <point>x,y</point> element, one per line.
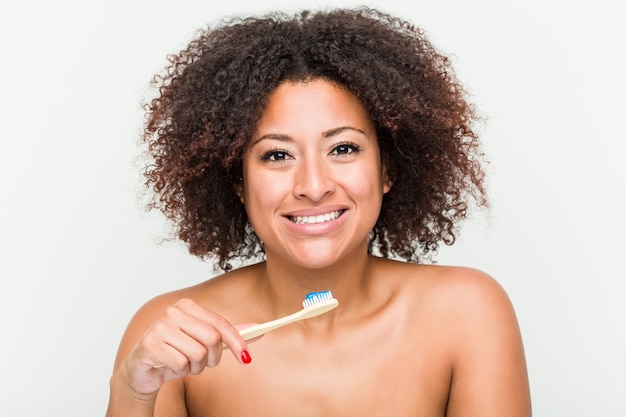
<point>317,297</point>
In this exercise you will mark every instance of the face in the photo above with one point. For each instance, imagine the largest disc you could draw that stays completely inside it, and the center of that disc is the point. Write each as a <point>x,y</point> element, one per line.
<point>313,181</point>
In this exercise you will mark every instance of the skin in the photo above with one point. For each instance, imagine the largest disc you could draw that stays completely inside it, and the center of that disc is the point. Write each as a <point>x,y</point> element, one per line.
<point>406,339</point>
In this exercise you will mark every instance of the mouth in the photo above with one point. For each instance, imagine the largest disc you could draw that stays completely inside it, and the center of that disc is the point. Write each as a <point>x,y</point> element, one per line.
<point>322,218</point>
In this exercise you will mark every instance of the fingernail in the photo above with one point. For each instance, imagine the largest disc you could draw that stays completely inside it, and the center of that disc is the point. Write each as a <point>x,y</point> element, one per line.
<point>245,357</point>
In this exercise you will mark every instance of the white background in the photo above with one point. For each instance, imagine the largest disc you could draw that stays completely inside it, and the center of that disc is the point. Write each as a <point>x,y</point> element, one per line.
<point>78,255</point>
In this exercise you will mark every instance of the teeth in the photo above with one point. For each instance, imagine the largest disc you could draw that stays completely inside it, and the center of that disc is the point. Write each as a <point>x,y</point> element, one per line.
<point>316,219</point>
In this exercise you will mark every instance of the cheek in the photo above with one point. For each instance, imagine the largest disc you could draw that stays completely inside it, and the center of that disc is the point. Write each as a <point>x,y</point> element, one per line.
<point>266,185</point>
<point>364,182</point>
<point>263,194</point>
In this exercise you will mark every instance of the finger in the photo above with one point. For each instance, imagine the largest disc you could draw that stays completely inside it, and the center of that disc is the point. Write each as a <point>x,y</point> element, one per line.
<point>241,327</point>
<point>198,340</point>
<point>175,363</point>
<point>167,346</point>
<point>225,333</point>
<point>179,333</point>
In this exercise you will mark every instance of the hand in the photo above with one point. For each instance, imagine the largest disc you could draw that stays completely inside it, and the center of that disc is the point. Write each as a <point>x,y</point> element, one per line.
<point>183,340</point>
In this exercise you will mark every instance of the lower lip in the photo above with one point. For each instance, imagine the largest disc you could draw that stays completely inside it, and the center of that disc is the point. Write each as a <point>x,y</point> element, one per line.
<point>317,228</point>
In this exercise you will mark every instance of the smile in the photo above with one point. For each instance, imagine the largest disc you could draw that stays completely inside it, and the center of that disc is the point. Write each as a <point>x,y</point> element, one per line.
<point>316,219</point>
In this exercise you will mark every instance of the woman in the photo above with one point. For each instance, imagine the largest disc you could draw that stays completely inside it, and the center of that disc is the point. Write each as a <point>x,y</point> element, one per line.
<point>326,144</point>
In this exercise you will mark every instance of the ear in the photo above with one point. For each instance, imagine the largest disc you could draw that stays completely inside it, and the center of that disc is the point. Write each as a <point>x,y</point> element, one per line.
<point>387,186</point>
<point>238,188</point>
<point>388,182</point>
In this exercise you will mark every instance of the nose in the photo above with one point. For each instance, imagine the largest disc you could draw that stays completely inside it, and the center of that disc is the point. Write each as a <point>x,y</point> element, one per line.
<point>313,180</point>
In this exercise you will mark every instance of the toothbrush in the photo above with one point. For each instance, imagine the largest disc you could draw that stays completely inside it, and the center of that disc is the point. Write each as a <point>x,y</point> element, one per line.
<point>315,303</point>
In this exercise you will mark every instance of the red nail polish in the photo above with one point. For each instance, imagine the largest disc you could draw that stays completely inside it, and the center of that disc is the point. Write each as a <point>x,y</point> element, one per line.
<point>245,357</point>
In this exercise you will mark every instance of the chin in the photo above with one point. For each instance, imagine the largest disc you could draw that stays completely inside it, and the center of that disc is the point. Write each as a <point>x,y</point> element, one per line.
<point>319,256</point>
<point>313,260</point>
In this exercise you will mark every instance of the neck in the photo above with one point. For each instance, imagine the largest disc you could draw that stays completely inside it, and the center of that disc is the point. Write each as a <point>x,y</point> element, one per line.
<point>286,284</point>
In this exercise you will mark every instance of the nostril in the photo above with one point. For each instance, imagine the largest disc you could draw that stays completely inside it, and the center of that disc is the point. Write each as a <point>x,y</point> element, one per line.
<point>313,182</point>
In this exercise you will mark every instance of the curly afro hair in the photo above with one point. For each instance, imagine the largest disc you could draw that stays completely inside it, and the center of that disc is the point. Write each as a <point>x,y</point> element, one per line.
<point>213,92</point>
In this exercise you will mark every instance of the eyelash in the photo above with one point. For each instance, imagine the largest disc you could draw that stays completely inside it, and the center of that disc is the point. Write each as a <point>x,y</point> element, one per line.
<point>352,148</point>
<point>271,154</point>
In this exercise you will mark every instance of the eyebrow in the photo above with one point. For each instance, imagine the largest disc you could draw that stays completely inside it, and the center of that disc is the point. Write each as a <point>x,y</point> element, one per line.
<point>326,134</point>
<point>334,132</point>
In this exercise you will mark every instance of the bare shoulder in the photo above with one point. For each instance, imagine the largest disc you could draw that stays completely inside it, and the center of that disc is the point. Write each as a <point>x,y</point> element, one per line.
<point>471,290</point>
<point>468,316</point>
<point>452,301</point>
<point>451,288</point>
<point>472,304</point>
<point>477,331</point>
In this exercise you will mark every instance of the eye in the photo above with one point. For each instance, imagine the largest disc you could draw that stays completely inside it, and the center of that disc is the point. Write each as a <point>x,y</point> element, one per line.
<point>275,155</point>
<point>345,148</point>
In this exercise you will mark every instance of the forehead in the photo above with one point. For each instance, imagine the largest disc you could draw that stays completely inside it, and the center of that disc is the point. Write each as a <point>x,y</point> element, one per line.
<point>315,104</point>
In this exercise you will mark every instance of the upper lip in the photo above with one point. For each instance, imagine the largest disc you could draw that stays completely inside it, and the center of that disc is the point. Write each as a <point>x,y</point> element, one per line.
<point>314,211</point>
